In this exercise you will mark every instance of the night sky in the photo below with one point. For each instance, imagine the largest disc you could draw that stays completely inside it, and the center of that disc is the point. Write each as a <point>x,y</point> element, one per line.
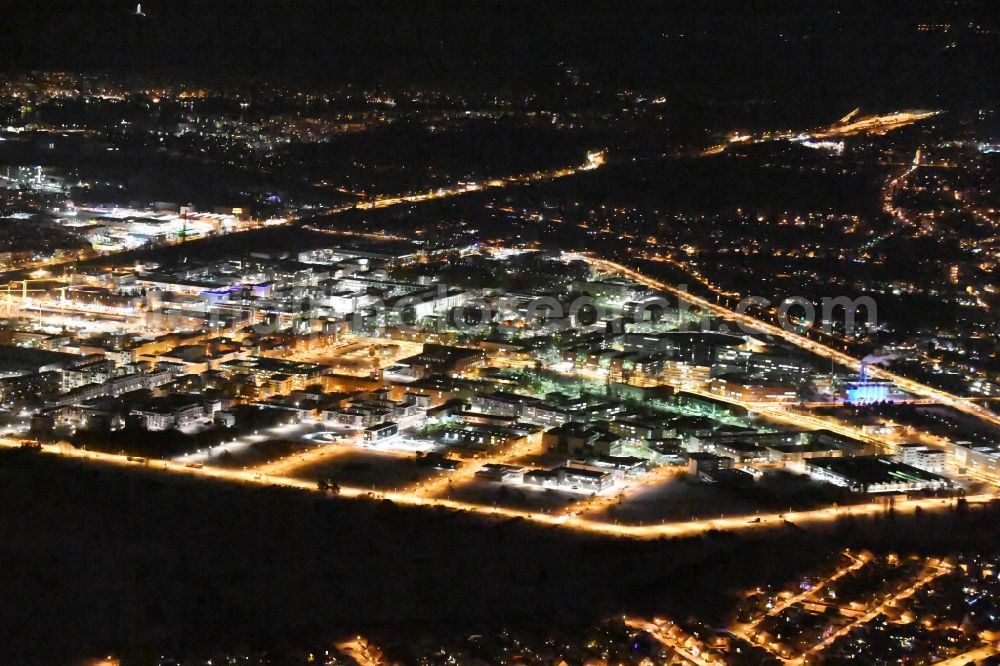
<point>768,48</point>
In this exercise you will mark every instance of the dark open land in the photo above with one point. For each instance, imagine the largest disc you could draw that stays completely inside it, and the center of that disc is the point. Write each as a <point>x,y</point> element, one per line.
<point>97,559</point>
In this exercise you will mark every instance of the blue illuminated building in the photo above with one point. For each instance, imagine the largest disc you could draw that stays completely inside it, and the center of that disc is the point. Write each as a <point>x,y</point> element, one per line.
<point>864,392</point>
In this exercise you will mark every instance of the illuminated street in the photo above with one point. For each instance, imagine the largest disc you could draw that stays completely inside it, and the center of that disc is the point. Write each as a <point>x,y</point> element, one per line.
<point>354,334</point>
<point>417,498</point>
<point>933,571</point>
<point>817,348</point>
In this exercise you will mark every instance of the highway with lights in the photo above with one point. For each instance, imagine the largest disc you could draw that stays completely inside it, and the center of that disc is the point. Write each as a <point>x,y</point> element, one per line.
<point>751,323</point>
<point>561,520</point>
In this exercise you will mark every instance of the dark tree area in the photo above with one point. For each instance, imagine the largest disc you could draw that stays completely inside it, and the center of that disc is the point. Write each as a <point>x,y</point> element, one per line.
<point>97,560</point>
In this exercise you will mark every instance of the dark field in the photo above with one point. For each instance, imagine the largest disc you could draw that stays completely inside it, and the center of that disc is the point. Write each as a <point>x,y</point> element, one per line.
<point>96,560</point>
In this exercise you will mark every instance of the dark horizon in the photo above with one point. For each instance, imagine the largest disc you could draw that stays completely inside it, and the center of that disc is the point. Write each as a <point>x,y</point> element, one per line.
<point>370,333</point>
<point>766,49</point>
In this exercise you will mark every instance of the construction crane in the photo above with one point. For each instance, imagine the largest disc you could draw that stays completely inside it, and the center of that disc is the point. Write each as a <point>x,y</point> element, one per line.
<point>25,290</point>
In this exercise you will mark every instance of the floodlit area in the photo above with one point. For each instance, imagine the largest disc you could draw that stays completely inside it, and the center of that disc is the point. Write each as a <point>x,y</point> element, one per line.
<point>580,334</point>
<point>359,357</point>
<point>647,427</point>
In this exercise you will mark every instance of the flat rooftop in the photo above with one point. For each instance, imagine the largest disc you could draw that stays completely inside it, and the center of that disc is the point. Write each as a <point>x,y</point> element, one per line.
<point>871,470</point>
